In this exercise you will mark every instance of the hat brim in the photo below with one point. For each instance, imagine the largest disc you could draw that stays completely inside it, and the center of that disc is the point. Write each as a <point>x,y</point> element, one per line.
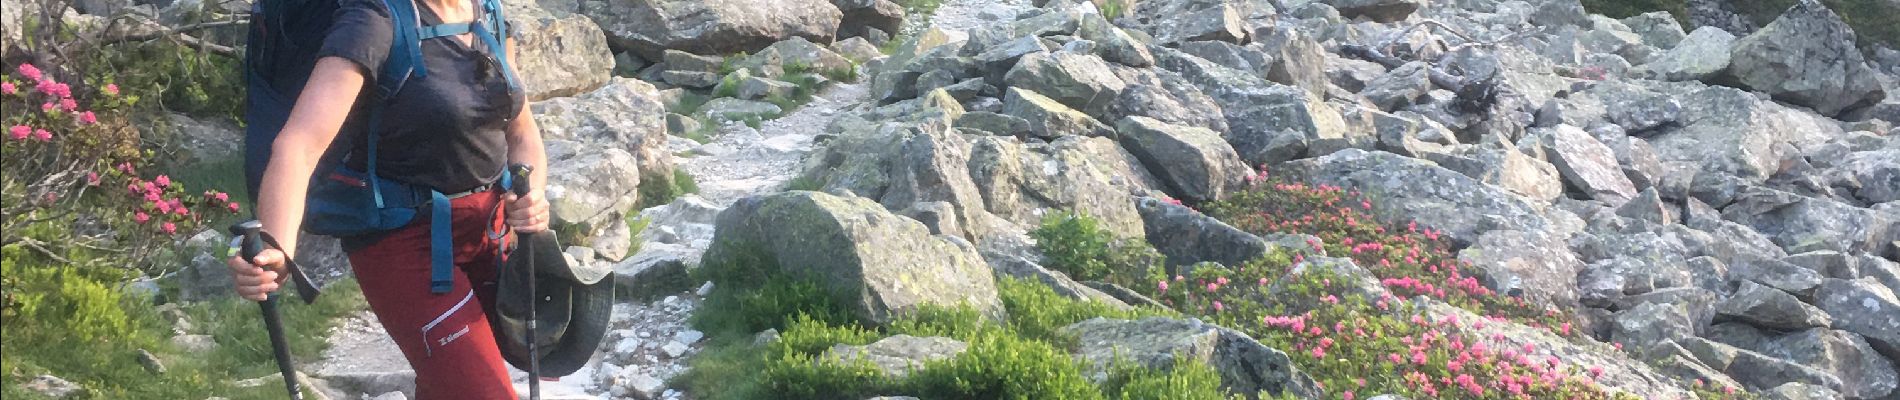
<point>571,317</point>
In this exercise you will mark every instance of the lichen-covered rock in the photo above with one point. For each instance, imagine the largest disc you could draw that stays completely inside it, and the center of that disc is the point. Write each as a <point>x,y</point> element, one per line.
<point>1807,57</point>
<point>1587,164</point>
<point>711,26</point>
<point>591,187</point>
<point>1194,162</point>
<point>884,264</point>
<point>1180,21</point>
<point>1080,81</point>
<point>1382,11</point>
<point>1862,306</point>
<point>1537,266</point>
<point>625,114</point>
<point>1701,55</point>
<point>1864,373</point>
<point>1456,204</point>
<point>1049,118</point>
<point>1245,365</point>
<point>1189,237</point>
<point>898,355</point>
<point>1112,43</point>
<point>1800,224</point>
<point>859,17</point>
<point>1401,87</point>
<point>795,53</point>
<point>1657,28</point>
<point>557,53</point>
<point>1771,308</point>
<point>1649,325</point>
<point>1729,132</point>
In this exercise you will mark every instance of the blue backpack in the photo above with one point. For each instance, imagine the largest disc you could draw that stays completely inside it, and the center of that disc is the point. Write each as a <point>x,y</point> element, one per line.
<point>284,38</point>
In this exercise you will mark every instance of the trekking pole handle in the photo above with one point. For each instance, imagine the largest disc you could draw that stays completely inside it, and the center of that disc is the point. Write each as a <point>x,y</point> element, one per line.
<point>253,243</point>
<point>521,173</point>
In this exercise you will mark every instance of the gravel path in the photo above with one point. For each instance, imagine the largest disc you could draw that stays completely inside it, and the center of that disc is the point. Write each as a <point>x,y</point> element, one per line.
<point>743,161</point>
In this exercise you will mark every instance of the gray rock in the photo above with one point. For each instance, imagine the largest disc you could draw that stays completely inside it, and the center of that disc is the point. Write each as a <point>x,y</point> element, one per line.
<point>1459,206</point>
<point>1864,373</point>
<point>1801,224</point>
<point>993,123</point>
<point>794,54</point>
<point>857,49</point>
<point>860,17</point>
<point>1080,81</point>
<point>763,88</point>
<point>591,189</point>
<point>53,387</point>
<point>1777,274</point>
<point>711,27</point>
<point>1863,307</point>
<point>1729,132</point>
<point>1049,118</point>
<point>1657,29</point>
<point>1297,59</point>
<point>1559,13</point>
<point>1828,263</point>
<point>1758,372</point>
<point>1801,391</point>
<point>1587,164</point>
<point>1649,206</point>
<point>1247,59</point>
<point>1188,237</point>
<point>1536,266</point>
<point>1176,22</point>
<point>1877,173</point>
<point>1400,88</point>
<point>1807,57</point>
<point>1112,43</point>
<point>1770,308</point>
<point>1604,282</point>
<point>651,275</point>
<point>727,110</point>
<point>1194,162</point>
<point>1701,55</point>
<point>626,114</point>
<point>1382,11</point>
<point>557,55</point>
<point>1169,97</point>
<point>892,263</point>
<point>1245,365</point>
<point>898,355</point>
<point>1267,123</point>
<point>1649,325</point>
<point>1502,165</point>
<point>1641,117</point>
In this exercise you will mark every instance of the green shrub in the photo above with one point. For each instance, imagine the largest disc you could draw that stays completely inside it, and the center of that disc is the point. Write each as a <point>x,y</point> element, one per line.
<point>659,192</point>
<point>1191,380</point>
<point>754,295</point>
<point>1001,366</point>
<point>1077,245</point>
<point>1037,312</point>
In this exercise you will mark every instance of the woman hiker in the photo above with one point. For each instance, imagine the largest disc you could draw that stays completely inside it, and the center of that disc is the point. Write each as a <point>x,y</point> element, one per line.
<point>453,131</point>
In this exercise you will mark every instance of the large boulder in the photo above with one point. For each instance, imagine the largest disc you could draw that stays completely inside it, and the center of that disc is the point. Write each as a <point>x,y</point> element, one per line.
<point>1537,266</point>
<point>1049,118</point>
<point>796,52</point>
<point>1864,373</point>
<point>1414,189</point>
<point>1187,237</point>
<point>1701,55</point>
<point>1382,11</point>
<point>1157,343</point>
<point>1864,307</point>
<point>1587,164</point>
<point>1807,57</point>
<point>881,265</point>
<point>1194,162</point>
<point>591,188</point>
<point>1730,132</point>
<point>1267,123</point>
<point>1771,308</point>
<point>1650,325</point>
<point>861,16</point>
<point>1800,224</point>
<point>557,53</point>
<point>626,114</point>
<point>649,27</point>
<point>1174,22</point>
<point>1080,81</point>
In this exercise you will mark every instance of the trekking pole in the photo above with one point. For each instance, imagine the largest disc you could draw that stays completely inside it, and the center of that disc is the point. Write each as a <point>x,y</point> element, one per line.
<point>520,182</point>
<point>273,321</point>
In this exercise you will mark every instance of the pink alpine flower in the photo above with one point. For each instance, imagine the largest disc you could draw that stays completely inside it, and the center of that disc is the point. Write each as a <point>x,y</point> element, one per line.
<point>68,104</point>
<point>7,88</point>
<point>47,107</point>
<point>29,71</point>
<point>42,135</point>
<point>163,181</point>
<point>222,196</point>
<point>19,132</point>
<point>141,217</point>
<point>169,228</point>
<point>87,118</point>
<point>233,206</point>
<point>112,89</point>
<point>92,178</point>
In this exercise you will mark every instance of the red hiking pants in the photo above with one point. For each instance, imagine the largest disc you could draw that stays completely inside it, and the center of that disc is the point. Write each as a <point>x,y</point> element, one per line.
<point>446,337</point>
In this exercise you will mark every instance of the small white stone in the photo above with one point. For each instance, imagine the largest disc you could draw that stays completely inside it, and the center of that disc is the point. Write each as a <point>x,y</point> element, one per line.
<point>689,336</point>
<point>704,289</point>
<point>675,349</point>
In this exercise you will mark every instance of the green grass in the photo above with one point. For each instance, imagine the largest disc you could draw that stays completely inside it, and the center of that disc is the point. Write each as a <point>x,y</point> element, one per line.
<point>1021,357</point>
<point>657,192</point>
<point>88,332</point>
<point>226,175</point>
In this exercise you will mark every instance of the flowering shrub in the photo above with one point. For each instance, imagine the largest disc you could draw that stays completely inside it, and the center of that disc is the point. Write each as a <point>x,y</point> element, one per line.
<point>1079,247</point>
<point>72,159</point>
<point>1357,347</point>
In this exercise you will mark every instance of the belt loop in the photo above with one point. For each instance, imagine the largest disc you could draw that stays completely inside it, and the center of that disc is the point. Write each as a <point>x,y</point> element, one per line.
<point>441,246</point>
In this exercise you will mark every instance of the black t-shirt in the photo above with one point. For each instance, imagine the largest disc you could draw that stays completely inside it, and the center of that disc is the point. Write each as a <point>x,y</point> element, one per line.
<point>446,130</point>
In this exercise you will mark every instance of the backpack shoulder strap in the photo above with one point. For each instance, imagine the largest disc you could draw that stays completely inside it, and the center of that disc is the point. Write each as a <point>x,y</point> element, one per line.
<point>493,31</point>
<point>405,48</point>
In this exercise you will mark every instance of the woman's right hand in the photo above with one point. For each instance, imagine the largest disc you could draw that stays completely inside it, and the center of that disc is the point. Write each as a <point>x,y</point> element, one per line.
<point>255,282</point>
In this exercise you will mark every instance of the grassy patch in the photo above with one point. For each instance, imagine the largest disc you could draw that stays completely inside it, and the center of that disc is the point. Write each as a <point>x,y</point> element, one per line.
<point>89,332</point>
<point>1077,246</point>
<point>658,192</point>
<point>1021,357</point>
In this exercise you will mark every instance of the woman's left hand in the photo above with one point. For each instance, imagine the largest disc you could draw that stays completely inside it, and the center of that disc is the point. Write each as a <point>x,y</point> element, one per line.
<point>527,214</point>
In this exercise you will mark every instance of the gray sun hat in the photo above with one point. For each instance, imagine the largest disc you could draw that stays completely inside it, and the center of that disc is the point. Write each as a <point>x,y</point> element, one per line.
<point>575,305</point>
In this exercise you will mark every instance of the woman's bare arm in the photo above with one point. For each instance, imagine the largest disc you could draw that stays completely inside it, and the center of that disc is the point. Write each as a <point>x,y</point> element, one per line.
<point>529,214</point>
<point>321,108</point>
